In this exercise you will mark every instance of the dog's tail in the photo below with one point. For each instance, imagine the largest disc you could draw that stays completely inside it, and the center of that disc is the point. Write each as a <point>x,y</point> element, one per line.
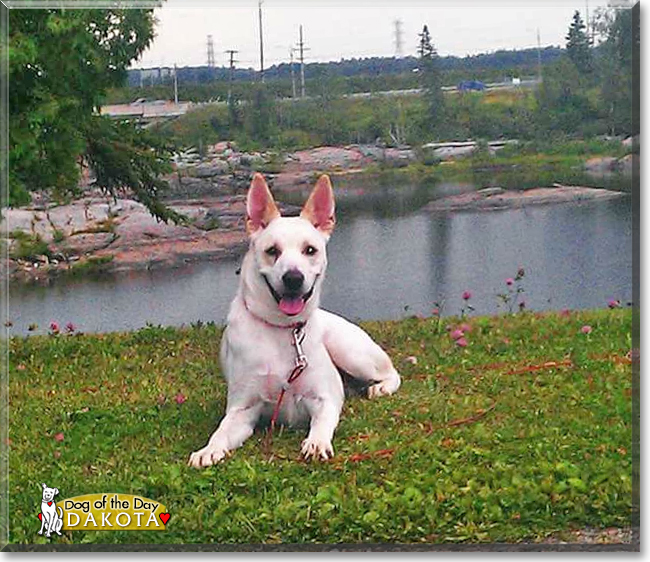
<point>60,512</point>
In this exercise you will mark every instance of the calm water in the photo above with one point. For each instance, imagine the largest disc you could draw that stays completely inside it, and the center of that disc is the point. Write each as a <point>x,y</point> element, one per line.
<point>387,260</point>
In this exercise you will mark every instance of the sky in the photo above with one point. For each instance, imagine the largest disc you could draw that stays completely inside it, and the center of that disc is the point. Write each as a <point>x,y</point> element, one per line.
<point>355,29</point>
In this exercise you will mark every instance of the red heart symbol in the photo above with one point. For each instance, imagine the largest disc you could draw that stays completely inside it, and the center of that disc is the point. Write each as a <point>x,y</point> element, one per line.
<point>49,503</point>
<point>40,516</point>
<point>164,517</point>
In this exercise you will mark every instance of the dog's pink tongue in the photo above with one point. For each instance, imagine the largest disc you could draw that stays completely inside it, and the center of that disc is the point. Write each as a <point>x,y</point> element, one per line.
<point>291,307</point>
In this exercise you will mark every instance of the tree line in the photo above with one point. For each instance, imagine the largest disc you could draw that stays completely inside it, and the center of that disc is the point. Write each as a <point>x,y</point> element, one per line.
<point>501,60</point>
<point>64,63</point>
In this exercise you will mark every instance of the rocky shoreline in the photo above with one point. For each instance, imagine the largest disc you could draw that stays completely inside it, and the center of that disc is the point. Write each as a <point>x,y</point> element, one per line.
<point>99,233</point>
<point>496,198</point>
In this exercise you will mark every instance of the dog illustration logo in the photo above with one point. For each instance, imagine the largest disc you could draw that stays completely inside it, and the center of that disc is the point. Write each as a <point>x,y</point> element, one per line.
<point>51,520</point>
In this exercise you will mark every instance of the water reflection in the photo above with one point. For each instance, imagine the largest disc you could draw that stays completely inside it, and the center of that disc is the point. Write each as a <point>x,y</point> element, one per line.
<point>386,260</point>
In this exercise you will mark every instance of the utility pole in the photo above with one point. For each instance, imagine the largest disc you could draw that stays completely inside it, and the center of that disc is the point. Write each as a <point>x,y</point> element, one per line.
<point>231,52</point>
<point>302,49</point>
<point>259,8</point>
<point>399,41</point>
<point>175,85</point>
<point>539,58</point>
<point>293,76</point>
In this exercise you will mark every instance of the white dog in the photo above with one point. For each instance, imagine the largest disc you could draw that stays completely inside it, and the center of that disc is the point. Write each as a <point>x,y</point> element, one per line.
<point>280,352</point>
<point>51,521</point>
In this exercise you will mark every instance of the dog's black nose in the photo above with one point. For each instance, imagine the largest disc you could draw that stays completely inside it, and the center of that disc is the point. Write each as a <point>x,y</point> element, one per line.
<point>293,280</point>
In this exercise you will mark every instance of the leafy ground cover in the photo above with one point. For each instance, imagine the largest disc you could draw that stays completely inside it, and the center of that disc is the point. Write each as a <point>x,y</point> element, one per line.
<point>506,429</point>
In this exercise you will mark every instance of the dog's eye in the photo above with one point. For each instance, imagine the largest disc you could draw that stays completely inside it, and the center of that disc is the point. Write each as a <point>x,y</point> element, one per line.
<point>272,251</point>
<point>310,251</point>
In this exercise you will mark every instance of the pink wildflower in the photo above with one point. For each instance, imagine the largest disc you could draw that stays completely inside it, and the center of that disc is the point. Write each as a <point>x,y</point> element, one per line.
<point>586,329</point>
<point>614,303</point>
<point>467,295</point>
<point>59,437</point>
<point>70,328</point>
<point>510,281</point>
<point>54,327</point>
<point>412,360</point>
<point>461,342</point>
<point>180,398</point>
<point>465,327</point>
<point>457,334</point>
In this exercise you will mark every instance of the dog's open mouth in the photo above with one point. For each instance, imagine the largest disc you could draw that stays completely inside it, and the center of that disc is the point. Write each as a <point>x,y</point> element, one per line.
<point>289,303</point>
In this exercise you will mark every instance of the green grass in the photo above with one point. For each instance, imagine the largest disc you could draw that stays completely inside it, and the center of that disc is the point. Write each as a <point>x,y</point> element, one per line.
<point>28,246</point>
<point>523,433</point>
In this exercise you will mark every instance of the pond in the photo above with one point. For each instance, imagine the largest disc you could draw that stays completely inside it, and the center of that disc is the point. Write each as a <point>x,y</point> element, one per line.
<point>387,260</point>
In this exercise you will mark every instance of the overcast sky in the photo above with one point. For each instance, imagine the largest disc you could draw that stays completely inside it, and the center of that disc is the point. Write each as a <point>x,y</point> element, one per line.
<point>336,29</point>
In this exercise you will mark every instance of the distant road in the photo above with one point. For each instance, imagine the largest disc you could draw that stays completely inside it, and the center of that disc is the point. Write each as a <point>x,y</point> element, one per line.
<point>416,91</point>
<point>157,110</point>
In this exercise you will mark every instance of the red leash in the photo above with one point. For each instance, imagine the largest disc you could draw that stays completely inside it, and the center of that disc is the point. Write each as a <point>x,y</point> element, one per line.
<point>301,363</point>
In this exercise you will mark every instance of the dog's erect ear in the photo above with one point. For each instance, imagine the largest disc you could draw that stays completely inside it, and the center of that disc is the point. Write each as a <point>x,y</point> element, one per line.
<point>44,486</point>
<point>56,491</point>
<point>260,206</point>
<point>319,208</point>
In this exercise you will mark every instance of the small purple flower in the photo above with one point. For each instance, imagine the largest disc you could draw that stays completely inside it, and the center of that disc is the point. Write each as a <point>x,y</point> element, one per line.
<point>467,295</point>
<point>510,281</point>
<point>461,342</point>
<point>520,273</point>
<point>457,334</point>
<point>465,327</point>
<point>70,328</point>
<point>613,303</point>
<point>54,327</point>
<point>180,398</point>
<point>586,329</point>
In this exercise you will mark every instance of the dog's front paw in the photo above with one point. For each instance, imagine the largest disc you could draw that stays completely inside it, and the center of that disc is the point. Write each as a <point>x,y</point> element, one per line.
<point>207,456</point>
<point>317,449</point>
<point>385,387</point>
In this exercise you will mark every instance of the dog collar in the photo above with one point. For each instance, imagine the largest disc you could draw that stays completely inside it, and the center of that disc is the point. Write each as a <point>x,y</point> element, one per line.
<point>294,326</point>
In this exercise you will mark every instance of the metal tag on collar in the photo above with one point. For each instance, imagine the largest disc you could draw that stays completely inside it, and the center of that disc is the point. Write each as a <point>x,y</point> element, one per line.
<point>298,337</point>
